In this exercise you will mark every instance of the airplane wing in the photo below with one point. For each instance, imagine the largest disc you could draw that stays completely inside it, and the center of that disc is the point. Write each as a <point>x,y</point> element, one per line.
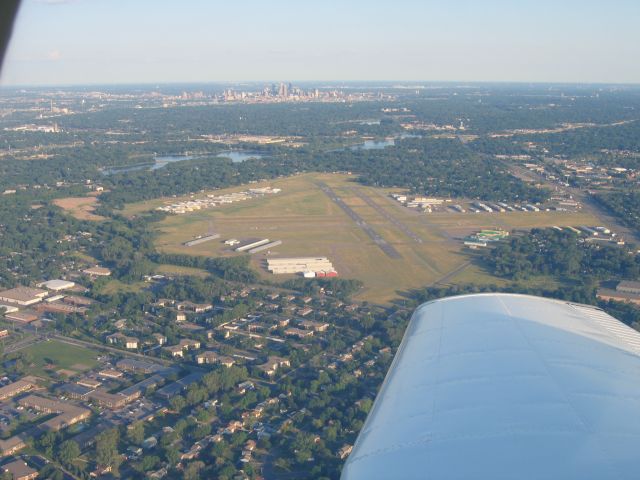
<point>502,386</point>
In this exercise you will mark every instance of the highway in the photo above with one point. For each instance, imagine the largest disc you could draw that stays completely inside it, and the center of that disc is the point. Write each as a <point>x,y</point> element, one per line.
<point>385,246</point>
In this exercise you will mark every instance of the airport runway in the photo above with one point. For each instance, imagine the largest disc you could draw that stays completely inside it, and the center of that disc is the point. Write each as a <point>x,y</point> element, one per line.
<point>385,246</point>
<point>401,226</point>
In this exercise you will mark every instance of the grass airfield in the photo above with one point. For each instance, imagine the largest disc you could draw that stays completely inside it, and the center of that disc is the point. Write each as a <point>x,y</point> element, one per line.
<point>309,223</point>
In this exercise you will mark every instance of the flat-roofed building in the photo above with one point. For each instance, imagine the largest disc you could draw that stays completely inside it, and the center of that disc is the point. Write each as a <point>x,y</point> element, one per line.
<point>89,383</point>
<point>608,294</point>
<point>78,301</point>
<point>24,317</point>
<point>628,286</point>
<point>56,285</point>
<point>24,296</point>
<point>97,271</point>
<point>108,373</point>
<point>8,308</point>
<point>299,265</point>
<point>62,308</point>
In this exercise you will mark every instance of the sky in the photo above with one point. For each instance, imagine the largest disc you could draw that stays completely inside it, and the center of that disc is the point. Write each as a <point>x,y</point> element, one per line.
<point>73,42</point>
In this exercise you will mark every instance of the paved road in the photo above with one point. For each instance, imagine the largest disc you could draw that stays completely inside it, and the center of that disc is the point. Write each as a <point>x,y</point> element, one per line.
<point>451,274</point>
<point>401,226</point>
<point>385,246</point>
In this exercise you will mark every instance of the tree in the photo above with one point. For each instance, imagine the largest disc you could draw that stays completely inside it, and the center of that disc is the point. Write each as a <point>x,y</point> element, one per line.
<point>68,452</point>
<point>171,455</point>
<point>135,433</point>
<point>192,471</point>
<point>178,403</point>
<point>107,449</point>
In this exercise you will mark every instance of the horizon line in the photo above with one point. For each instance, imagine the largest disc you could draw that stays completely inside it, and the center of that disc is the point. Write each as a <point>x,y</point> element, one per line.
<point>411,83</point>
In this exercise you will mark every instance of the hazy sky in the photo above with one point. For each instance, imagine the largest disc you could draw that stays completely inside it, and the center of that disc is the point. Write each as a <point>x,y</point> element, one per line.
<point>157,41</point>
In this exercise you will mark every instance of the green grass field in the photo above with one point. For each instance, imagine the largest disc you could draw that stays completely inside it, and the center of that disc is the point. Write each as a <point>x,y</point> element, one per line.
<point>55,356</point>
<point>310,224</point>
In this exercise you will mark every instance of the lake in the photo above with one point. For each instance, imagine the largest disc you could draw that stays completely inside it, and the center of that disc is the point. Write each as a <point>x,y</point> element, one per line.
<point>239,156</point>
<point>161,161</point>
<point>380,144</point>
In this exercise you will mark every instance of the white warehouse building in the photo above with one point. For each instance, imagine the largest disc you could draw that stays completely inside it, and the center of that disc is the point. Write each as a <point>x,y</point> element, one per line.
<point>299,265</point>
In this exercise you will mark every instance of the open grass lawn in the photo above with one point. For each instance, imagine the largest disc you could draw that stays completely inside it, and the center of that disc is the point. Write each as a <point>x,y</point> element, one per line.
<point>53,356</point>
<point>183,271</point>
<point>81,208</point>
<point>310,224</point>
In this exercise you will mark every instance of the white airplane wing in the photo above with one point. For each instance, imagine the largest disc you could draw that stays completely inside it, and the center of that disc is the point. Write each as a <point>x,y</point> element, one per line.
<point>501,386</point>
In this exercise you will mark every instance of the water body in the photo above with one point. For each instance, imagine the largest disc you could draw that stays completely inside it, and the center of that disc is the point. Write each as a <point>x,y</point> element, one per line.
<point>239,156</point>
<point>380,144</point>
<point>164,160</point>
<point>159,161</point>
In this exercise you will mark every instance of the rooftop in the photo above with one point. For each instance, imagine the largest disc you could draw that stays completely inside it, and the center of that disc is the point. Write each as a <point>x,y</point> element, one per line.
<point>56,284</point>
<point>23,294</point>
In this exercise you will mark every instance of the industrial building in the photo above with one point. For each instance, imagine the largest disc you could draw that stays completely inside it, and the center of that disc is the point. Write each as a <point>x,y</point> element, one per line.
<point>299,265</point>
<point>199,240</point>
<point>24,296</point>
<point>8,308</point>
<point>628,286</point>
<point>97,271</point>
<point>56,285</point>
<point>252,244</point>
<point>24,317</point>
<point>626,291</point>
<point>266,246</point>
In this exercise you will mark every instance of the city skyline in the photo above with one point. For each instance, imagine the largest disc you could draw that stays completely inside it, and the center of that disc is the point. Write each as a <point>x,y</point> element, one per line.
<point>66,42</point>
